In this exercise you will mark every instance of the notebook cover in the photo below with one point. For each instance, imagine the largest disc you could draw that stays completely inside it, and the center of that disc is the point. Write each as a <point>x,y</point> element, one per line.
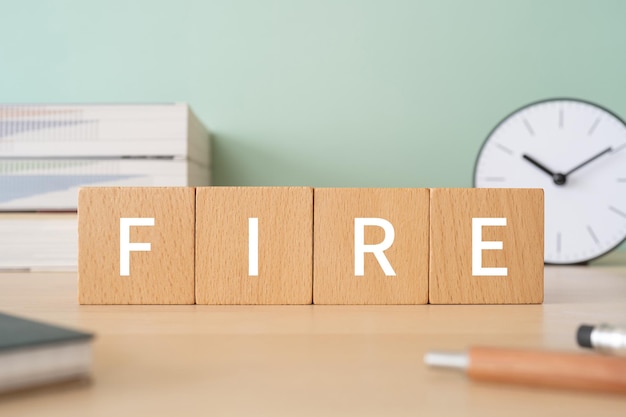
<point>17,333</point>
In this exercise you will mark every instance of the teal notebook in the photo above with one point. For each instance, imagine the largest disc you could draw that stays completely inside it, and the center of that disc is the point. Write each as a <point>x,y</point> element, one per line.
<point>33,353</point>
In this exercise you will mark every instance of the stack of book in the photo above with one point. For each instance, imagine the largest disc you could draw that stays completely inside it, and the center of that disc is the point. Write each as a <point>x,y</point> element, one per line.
<point>47,152</point>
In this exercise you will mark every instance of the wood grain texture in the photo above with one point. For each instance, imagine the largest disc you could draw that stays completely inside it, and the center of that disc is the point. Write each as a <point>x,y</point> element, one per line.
<point>312,360</point>
<point>451,279</point>
<point>165,274</point>
<point>285,244</point>
<point>334,279</point>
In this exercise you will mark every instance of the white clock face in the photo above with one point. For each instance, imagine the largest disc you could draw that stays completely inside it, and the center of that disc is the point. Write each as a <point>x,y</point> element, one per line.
<point>576,152</point>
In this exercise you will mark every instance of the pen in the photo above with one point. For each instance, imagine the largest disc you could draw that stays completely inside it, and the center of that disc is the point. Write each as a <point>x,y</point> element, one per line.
<point>537,368</point>
<point>604,337</point>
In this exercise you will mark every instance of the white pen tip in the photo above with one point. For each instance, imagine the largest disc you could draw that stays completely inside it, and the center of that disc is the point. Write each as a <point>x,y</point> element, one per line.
<point>457,360</point>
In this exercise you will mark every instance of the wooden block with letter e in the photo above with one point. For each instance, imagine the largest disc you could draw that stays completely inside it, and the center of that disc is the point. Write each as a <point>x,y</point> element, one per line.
<point>370,246</point>
<point>486,246</point>
<point>136,245</point>
<point>254,245</point>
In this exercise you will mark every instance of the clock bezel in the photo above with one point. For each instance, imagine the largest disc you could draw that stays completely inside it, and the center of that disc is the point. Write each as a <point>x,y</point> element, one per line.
<point>534,103</point>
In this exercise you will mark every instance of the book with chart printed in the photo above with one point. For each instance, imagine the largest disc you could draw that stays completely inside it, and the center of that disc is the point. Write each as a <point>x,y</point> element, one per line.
<point>49,151</point>
<point>94,130</point>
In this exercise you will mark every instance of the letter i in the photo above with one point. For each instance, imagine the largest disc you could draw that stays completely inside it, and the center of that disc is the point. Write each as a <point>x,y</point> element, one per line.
<point>253,246</point>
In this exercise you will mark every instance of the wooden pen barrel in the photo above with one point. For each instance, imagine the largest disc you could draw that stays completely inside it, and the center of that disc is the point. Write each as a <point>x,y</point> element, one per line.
<point>589,372</point>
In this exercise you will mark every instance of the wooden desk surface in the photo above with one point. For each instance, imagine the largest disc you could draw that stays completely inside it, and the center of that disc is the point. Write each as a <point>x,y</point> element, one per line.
<point>310,360</point>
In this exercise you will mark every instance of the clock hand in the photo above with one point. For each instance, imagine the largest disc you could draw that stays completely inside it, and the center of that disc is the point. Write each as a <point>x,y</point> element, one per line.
<point>538,164</point>
<point>559,179</point>
<point>593,158</point>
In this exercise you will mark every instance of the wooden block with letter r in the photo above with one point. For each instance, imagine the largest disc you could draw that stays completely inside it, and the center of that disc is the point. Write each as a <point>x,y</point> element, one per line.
<point>486,246</point>
<point>136,245</point>
<point>254,245</point>
<point>370,246</point>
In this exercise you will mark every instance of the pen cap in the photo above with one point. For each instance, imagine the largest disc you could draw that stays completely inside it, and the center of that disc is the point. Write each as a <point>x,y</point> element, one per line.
<point>583,335</point>
<point>603,337</point>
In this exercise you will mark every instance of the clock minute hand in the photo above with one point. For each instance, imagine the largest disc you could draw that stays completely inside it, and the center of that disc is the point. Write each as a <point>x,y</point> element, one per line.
<point>593,158</point>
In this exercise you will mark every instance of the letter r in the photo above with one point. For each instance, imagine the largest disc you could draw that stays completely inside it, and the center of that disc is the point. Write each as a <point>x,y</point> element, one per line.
<point>378,249</point>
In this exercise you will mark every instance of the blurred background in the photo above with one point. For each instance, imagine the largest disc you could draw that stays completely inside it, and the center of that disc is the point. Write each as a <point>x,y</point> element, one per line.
<point>365,93</point>
<point>322,93</point>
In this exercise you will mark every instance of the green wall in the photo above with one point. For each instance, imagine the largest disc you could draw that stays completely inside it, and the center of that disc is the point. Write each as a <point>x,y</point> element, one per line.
<point>322,93</point>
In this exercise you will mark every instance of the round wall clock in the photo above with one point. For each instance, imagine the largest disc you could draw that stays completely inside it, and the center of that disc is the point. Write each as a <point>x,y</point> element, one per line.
<point>576,152</point>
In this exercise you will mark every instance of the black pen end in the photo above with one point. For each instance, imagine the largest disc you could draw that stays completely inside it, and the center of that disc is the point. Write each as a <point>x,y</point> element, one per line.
<point>583,335</point>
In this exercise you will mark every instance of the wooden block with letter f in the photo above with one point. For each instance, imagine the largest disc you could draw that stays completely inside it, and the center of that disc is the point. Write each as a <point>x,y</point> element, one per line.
<point>136,245</point>
<point>254,245</point>
<point>370,246</point>
<point>486,246</point>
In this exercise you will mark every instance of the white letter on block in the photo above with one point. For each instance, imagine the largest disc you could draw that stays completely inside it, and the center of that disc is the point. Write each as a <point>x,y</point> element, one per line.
<point>478,245</point>
<point>360,247</point>
<point>253,246</point>
<point>125,246</point>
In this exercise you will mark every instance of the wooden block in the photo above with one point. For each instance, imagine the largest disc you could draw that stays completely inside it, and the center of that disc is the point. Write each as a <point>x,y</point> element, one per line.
<point>338,252</point>
<point>456,276</point>
<point>225,272</point>
<point>162,275</point>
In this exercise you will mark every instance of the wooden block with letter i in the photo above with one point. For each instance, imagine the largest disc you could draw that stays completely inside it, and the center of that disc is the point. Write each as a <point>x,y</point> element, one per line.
<point>136,245</point>
<point>371,246</point>
<point>486,246</point>
<point>254,245</point>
